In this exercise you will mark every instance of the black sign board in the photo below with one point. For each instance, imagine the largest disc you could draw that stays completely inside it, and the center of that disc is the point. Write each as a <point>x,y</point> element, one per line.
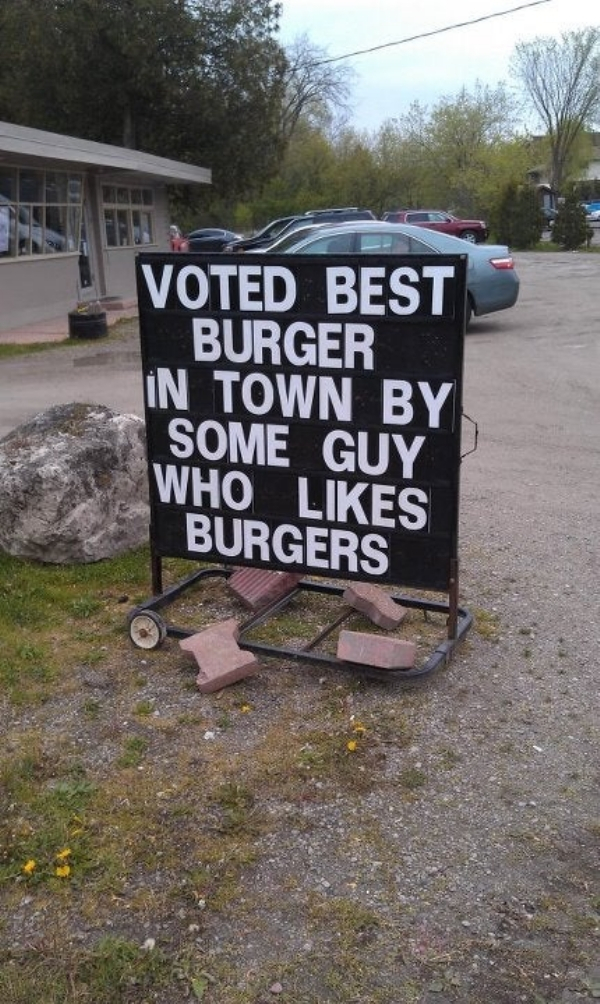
<point>303,412</point>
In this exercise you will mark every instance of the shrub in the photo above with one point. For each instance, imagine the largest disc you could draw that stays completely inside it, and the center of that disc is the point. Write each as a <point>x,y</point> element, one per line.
<point>571,230</point>
<point>518,219</point>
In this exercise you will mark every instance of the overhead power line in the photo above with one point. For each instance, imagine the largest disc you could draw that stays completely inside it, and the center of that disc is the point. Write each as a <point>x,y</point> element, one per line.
<point>428,34</point>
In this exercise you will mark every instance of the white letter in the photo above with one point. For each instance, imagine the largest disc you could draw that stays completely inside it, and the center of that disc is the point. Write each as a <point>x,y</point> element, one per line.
<point>434,402</point>
<point>206,345</point>
<point>194,303</point>
<point>438,273</point>
<point>158,295</point>
<point>341,295</point>
<point>407,293</point>
<point>397,409</point>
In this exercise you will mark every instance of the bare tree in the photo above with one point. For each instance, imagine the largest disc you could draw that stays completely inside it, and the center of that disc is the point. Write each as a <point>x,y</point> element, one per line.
<point>562,81</point>
<point>314,86</point>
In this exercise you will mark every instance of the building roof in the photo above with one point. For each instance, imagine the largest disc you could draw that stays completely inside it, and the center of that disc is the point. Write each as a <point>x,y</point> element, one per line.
<point>17,142</point>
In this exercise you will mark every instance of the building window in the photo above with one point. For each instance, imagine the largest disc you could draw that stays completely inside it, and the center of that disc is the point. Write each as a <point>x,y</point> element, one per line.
<point>128,216</point>
<point>40,212</point>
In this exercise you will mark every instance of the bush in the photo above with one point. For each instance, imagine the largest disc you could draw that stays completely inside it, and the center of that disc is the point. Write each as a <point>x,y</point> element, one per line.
<point>518,219</point>
<point>571,230</point>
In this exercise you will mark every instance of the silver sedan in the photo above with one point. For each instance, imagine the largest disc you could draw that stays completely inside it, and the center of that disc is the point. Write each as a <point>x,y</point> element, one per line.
<point>492,282</point>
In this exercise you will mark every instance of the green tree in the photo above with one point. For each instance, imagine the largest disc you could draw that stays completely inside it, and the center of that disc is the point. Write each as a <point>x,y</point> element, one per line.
<point>570,230</point>
<point>517,218</point>
<point>196,80</point>
<point>459,140</point>
<point>562,81</point>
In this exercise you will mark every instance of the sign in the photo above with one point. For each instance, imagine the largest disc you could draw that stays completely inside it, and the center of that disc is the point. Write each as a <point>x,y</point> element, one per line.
<point>303,412</point>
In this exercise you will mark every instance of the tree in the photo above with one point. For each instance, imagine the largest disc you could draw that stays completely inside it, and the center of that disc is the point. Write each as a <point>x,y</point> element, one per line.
<point>517,218</point>
<point>196,80</point>
<point>462,142</point>
<point>314,88</point>
<point>562,81</point>
<point>571,230</point>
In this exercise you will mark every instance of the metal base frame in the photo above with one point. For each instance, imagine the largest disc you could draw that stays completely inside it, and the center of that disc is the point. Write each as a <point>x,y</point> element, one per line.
<point>148,629</point>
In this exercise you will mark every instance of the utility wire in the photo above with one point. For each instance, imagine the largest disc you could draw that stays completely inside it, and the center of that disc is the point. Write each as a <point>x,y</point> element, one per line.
<point>428,34</point>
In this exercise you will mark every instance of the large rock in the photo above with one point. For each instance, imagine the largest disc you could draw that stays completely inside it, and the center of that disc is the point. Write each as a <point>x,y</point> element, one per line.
<point>73,485</point>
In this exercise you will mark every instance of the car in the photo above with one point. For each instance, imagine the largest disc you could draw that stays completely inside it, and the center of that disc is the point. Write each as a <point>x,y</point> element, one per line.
<point>268,233</point>
<point>492,281</point>
<point>266,236</point>
<point>208,239</point>
<point>19,224</point>
<point>475,231</point>
<point>592,211</point>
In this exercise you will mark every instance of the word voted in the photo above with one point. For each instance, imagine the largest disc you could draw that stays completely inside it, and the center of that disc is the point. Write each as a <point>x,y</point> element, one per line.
<point>369,289</point>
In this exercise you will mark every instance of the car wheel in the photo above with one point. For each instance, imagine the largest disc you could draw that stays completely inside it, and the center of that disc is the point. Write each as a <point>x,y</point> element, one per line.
<point>468,312</point>
<point>470,236</point>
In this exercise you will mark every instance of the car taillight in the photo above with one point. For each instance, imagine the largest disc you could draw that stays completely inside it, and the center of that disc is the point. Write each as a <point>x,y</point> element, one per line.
<point>507,262</point>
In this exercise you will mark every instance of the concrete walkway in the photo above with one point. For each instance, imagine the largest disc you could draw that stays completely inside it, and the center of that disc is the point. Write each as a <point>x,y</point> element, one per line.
<point>57,329</point>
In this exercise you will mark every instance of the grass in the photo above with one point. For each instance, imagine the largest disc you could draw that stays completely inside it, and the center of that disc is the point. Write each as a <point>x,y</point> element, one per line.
<point>133,806</point>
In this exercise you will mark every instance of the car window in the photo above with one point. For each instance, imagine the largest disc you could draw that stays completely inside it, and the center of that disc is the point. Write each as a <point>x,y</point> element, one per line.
<point>437,218</point>
<point>417,217</point>
<point>339,244</point>
<point>383,243</point>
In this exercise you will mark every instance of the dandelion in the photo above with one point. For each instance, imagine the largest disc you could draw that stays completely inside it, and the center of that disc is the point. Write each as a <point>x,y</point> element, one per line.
<point>245,708</point>
<point>64,854</point>
<point>29,867</point>
<point>62,871</point>
<point>352,745</point>
<point>359,728</point>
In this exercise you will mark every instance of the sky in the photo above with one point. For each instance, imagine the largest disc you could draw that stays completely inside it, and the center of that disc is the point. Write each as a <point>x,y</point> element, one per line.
<point>425,70</point>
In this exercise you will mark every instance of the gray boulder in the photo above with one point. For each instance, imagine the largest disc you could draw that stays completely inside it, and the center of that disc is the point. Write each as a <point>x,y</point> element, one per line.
<point>74,485</point>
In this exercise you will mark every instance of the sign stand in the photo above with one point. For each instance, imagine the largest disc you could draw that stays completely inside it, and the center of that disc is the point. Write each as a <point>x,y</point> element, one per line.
<point>303,414</point>
<point>148,629</point>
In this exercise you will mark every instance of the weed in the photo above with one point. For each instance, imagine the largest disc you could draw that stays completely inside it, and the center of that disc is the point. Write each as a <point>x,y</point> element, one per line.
<point>133,752</point>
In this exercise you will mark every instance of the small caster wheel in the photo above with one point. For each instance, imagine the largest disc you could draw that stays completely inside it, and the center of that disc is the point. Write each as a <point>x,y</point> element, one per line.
<point>147,630</point>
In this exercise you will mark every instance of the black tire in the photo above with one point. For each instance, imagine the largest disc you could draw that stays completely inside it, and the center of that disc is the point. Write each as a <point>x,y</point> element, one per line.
<point>468,312</point>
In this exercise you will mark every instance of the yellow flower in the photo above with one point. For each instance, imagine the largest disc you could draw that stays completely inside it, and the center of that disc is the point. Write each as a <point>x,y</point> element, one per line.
<point>29,866</point>
<point>352,745</point>
<point>64,854</point>
<point>62,871</point>
<point>245,708</point>
<point>359,727</point>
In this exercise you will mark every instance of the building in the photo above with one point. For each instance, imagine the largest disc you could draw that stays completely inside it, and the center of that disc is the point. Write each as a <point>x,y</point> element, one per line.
<point>73,215</point>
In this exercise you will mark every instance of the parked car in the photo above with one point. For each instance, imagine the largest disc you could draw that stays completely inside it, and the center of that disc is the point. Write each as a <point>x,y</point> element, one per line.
<point>592,211</point>
<point>208,239</point>
<point>268,233</point>
<point>266,236</point>
<point>475,231</point>
<point>492,282</point>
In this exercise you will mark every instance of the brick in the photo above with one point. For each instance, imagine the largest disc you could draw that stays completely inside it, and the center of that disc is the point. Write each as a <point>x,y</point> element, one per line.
<point>376,604</point>
<point>220,659</point>
<point>376,650</point>
<point>258,588</point>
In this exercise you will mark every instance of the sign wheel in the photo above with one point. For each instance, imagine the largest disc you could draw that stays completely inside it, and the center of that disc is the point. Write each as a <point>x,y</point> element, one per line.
<point>147,630</point>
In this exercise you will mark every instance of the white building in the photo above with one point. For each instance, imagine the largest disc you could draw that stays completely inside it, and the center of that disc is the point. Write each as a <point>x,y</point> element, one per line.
<point>73,215</point>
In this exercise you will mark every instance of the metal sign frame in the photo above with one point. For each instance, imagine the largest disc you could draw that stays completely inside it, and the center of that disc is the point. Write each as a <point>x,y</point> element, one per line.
<point>304,413</point>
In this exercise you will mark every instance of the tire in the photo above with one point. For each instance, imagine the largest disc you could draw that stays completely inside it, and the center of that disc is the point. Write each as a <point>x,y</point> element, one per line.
<point>470,236</point>
<point>147,630</point>
<point>468,312</point>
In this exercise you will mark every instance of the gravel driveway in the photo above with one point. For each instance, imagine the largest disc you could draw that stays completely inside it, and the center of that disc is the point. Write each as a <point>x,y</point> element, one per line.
<point>474,845</point>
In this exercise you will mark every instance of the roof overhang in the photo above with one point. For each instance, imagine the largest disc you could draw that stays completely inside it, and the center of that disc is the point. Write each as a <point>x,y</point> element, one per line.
<point>20,142</point>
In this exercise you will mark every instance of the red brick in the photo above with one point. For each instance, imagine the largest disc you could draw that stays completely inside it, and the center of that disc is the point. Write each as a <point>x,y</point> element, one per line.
<point>376,604</point>
<point>258,588</point>
<point>376,650</point>
<point>219,657</point>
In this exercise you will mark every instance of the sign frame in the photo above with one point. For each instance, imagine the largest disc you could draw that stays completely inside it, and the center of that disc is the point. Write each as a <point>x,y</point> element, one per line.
<point>338,394</point>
